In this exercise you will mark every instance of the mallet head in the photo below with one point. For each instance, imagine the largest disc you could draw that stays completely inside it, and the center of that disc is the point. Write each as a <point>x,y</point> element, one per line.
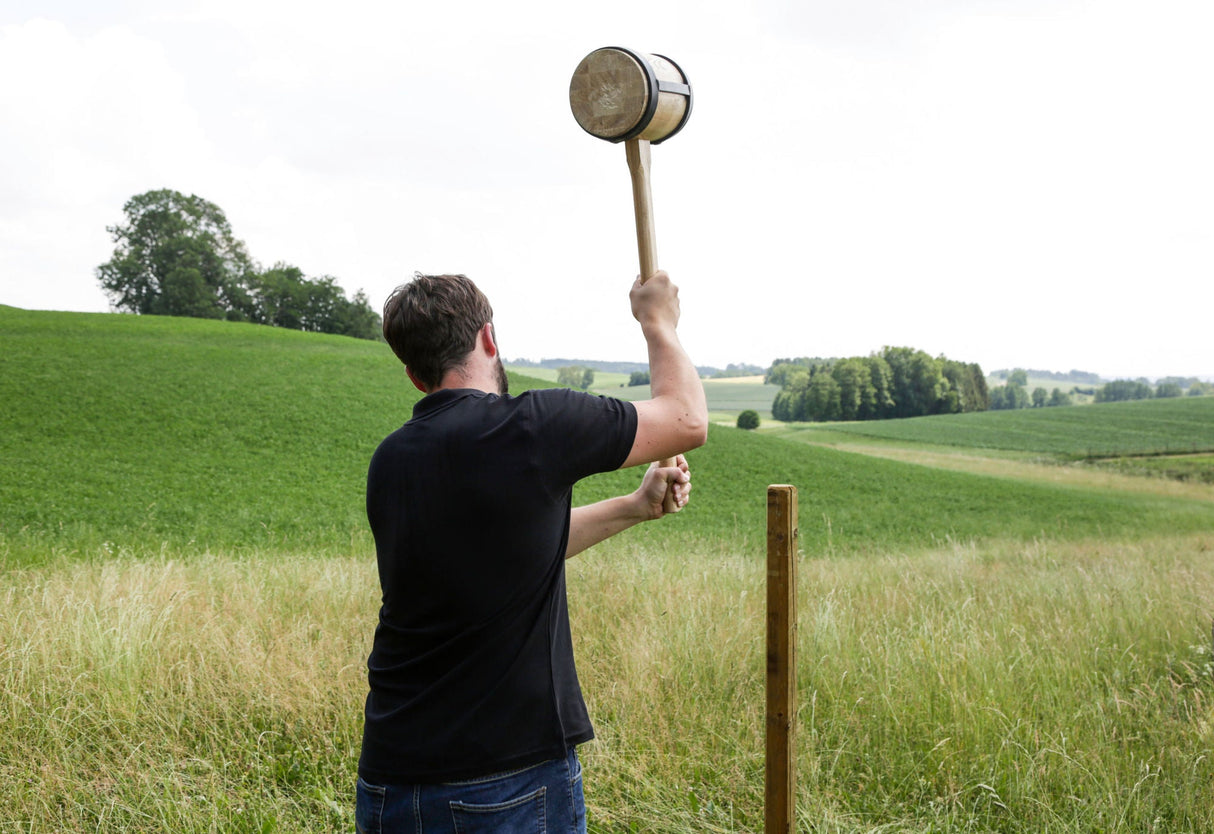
<point>617,94</point>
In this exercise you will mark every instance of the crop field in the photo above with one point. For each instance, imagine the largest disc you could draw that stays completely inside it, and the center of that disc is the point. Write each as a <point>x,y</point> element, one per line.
<point>726,397</point>
<point>605,382</point>
<point>188,594</point>
<point>1194,468</point>
<point>1143,427</point>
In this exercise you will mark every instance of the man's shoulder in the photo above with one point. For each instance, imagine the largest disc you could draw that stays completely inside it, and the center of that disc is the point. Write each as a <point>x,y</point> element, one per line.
<point>567,398</point>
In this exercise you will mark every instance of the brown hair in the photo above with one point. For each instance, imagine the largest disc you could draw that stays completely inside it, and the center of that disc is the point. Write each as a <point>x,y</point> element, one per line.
<point>431,324</point>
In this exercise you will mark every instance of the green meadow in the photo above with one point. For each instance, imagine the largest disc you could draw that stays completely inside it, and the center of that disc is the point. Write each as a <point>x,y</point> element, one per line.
<point>726,396</point>
<point>1141,427</point>
<point>991,638</point>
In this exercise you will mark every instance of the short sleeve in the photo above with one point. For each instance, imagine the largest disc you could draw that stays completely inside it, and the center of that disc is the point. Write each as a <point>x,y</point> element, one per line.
<point>579,434</point>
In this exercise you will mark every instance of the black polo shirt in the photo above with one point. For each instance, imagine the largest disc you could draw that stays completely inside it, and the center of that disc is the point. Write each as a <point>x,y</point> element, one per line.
<point>472,670</point>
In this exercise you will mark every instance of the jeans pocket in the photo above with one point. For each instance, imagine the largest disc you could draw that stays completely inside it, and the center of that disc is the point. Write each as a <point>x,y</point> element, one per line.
<point>369,807</point>
<point>524,815</point>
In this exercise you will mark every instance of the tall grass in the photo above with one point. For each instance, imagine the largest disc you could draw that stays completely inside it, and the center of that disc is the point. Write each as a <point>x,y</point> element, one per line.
<point>147,695</point>
<point>1008,687</point>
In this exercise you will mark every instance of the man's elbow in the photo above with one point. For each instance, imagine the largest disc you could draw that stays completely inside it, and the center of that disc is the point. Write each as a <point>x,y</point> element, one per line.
<point>695,428</point>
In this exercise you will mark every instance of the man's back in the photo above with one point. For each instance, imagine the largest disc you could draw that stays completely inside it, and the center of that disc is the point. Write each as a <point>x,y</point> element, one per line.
<point>469,502</point>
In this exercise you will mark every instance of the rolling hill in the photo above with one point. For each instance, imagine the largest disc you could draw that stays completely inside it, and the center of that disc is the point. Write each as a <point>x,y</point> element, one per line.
<point>124,432</point>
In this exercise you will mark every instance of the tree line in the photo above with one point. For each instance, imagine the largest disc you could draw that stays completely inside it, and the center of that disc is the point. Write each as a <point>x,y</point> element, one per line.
<point>896,382</point>
<point>1073,375</point>
<point>176,255</point>
<point>1121,390</point>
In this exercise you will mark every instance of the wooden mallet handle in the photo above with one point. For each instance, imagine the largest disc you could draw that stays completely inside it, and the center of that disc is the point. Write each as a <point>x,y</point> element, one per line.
<point>642,205</point>
<point>647,244</point>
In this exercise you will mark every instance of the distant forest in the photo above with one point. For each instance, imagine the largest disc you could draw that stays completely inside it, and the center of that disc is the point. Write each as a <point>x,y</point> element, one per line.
<point>604,367</point>
<point>895,382</point>
<point>1080,377</point>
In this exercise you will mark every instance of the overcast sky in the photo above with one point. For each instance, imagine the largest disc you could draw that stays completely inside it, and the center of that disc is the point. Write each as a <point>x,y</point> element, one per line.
<point>1011,182</point>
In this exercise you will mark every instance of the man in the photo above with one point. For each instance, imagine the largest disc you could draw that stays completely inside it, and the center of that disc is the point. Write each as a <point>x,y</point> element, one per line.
<point>475,711</point>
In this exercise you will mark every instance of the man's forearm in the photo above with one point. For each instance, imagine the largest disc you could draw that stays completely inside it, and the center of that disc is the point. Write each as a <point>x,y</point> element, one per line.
<point>594,523</point>
<point>673,375</point>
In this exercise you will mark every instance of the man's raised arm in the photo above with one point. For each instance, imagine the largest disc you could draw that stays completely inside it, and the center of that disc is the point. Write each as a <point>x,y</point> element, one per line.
<point>675,419</point>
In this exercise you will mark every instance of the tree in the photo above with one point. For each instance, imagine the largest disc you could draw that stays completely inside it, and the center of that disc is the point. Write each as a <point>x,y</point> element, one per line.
<point>967,389</point>
<point>1040,397</point>
<point>1120,390</point>
<point>575,376</point>
<point>919,386</point>
<point>748,419</point>
<point>1020,377</point>
<point>736,370</point>
<point>1182,381</point>
<point>855,387</point>
<point>1008,397</point>
<point>782,406</point>
<point>176,256</point>
<point>897,382</point>
<point>638,378</point>
<point>359,320</point>
<point>781,370</point>
<point>282,297</point>
<point>822,397</point>
<point>1168,389</point>
<point>1058,398</point>
<point>882,405</point>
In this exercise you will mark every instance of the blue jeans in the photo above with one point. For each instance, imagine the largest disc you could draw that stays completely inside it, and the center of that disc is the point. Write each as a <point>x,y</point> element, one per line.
<point>541,799</point>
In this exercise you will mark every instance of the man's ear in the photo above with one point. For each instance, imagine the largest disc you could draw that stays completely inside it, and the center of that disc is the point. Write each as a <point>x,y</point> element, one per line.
<point>490,339</point>
<point>417,384</point>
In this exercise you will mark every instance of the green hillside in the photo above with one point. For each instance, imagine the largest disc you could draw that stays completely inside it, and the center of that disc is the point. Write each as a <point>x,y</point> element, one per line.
<point>143,431</point>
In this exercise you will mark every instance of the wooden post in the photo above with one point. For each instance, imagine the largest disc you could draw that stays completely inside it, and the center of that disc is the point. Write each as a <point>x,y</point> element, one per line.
<point>781,779</point>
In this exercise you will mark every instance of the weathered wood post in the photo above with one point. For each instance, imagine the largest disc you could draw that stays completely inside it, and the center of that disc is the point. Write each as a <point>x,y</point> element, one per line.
<point>781,778</point>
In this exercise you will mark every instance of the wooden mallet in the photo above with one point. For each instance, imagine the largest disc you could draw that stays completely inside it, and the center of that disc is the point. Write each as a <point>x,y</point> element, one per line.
<point>638,99</point>
<point>624,96</point>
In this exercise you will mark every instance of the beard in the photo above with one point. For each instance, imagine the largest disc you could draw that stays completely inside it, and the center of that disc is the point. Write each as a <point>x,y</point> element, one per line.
<point>503,384</point>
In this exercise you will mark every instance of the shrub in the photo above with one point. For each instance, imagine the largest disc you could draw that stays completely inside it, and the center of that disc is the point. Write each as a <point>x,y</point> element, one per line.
<point>748,419</point>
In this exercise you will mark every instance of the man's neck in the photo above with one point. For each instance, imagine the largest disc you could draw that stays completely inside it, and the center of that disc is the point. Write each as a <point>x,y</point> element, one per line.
<point>462,378</point>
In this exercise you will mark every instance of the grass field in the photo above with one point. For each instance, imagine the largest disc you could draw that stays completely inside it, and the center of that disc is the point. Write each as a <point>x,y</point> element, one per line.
<point>604,381</point>
<point>1017,687</point>
<point>987,643</point>
<point>726,397</point>
<point>1194,468</point>
<point>1182,425</point>
<point>195,434</point>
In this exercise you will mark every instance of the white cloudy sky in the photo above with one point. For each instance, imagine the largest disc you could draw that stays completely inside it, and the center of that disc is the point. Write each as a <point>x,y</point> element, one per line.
<point>1010,182</point>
